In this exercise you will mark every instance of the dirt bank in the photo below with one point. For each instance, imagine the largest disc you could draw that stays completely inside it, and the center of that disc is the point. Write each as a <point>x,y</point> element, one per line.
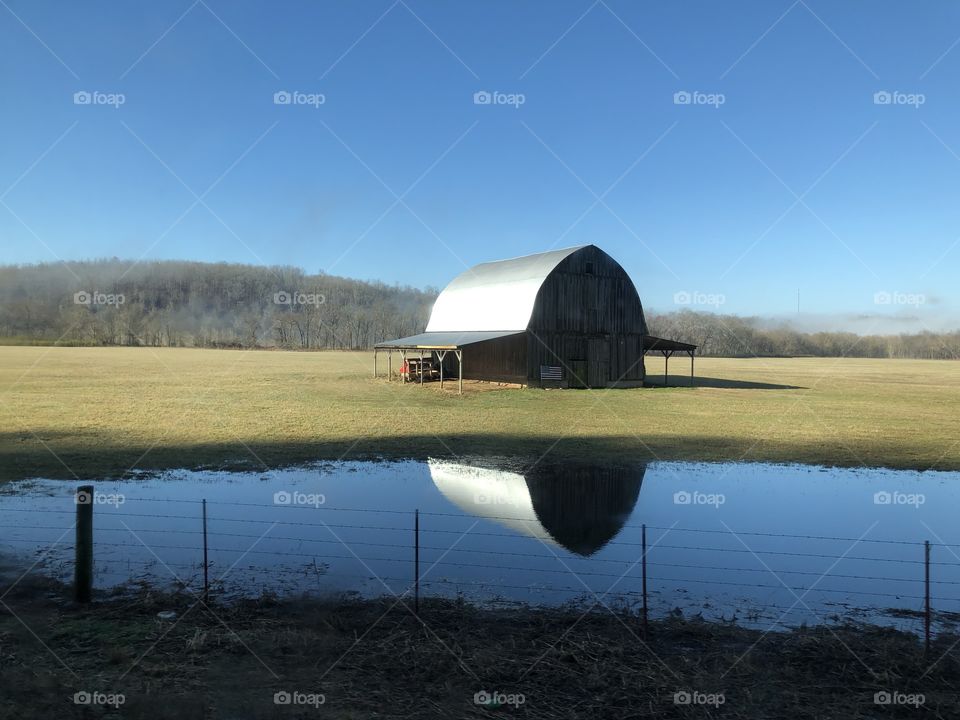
<point>346,658</point>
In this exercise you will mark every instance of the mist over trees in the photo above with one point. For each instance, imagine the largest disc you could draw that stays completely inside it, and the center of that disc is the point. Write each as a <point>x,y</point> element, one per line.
<point>735,336</point>
<point>192,304</point>
<point>221,305</point>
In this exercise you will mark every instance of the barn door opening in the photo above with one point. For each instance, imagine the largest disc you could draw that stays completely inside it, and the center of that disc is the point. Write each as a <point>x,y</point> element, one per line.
<point>598,362</point>
<point>578,373</point>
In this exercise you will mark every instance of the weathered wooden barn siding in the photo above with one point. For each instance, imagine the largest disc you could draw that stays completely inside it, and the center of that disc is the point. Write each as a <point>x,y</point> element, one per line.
<point>500,360</point>
<point>588,319</point>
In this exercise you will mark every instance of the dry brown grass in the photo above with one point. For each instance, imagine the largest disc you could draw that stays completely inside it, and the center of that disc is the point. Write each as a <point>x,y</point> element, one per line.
<point>95,412</point>
<point>374,659</point>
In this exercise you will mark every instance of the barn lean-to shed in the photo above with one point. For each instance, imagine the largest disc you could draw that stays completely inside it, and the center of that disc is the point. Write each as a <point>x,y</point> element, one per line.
<point>563,318</point>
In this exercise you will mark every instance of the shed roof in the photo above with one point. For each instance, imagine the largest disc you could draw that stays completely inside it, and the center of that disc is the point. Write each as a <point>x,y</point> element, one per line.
<point>658,344</point>
<point>495,296</point>
<point>441,340</point>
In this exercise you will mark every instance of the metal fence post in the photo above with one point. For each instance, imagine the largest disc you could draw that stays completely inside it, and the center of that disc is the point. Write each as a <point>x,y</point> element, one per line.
<point>926,593</point>
<point>643,563</point>
<point>206,577</point>
<point>416,561</point>
<point>83,548</point>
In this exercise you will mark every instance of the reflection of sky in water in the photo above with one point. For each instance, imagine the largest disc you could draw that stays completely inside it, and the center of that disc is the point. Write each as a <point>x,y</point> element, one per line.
<point>556,533</point>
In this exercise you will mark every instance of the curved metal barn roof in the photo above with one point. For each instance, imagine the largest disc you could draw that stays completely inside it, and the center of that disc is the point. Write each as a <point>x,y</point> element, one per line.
<point>495,296</point>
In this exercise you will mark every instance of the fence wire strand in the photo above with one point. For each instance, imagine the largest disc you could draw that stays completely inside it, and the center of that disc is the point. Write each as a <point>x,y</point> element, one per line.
<point>117,513</point>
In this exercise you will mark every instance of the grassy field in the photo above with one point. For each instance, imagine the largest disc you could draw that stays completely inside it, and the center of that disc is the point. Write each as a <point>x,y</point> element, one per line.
<point>98,412</point>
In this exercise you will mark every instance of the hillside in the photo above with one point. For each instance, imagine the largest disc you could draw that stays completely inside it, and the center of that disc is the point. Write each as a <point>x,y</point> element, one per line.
<point>193,304</point>
<point>220,305</point>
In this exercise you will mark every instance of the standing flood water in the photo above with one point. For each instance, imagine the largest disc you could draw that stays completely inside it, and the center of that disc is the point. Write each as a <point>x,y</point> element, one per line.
<point>762,544</point>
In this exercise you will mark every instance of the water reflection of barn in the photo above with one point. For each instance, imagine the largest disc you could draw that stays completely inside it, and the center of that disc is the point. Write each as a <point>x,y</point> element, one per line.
<point>578,507</point>
<point>564,318</point>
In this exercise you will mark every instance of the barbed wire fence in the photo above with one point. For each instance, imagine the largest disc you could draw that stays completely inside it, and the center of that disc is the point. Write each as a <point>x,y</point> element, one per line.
<point>187,530</point>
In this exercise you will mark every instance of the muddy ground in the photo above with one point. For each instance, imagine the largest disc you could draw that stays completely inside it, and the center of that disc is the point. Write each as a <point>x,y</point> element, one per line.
<point>350,658</point>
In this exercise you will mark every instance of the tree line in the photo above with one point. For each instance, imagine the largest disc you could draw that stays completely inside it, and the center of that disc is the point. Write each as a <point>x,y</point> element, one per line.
<point>735,336</point>
<point>193,304</point>
<point>219,305</point>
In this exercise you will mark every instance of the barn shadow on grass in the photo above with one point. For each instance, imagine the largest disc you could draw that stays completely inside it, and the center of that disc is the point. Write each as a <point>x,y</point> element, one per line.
<point>654,380</point>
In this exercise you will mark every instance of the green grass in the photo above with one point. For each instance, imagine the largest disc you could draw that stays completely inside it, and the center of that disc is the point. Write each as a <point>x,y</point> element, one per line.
<point>99,412</point>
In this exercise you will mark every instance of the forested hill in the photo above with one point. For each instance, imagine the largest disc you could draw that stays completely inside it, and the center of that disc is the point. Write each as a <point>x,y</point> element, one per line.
<point>192,304</point>
<point>735,336</point>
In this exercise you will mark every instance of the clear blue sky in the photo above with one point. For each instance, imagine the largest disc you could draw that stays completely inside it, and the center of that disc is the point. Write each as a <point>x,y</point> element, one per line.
<point>704,197</point>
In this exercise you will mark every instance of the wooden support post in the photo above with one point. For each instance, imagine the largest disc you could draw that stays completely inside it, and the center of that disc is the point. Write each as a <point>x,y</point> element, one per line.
<point>460,364</point>
<point>691,367</point>
<point>441,354</point>
<point>926,594</point>
<point>389,365</point>
<point>83,548</point>
<point>206,564</point>
<point>416,561</point>
<point>403,364</point>
<point>421,367</point>
<point>374,362</point>
<point>644,573</point>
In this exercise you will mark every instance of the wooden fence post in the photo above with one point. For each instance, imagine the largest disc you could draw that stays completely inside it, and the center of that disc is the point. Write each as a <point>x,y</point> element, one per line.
<point>83,547</point>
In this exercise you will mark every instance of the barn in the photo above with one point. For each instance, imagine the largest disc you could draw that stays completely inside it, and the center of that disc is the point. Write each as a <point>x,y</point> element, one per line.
<point>563,318</point>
